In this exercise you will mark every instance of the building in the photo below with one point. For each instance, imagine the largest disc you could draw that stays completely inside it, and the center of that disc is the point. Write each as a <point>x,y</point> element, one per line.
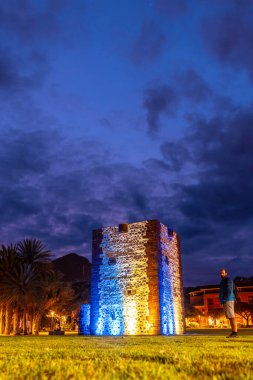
<point>136,282</point>
<point>206,300</point>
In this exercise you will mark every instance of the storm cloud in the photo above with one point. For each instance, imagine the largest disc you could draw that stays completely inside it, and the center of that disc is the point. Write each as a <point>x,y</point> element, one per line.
<point>215,201</point>
<point>159,100</point>
<point>228,36</point>
<point>149,44</point>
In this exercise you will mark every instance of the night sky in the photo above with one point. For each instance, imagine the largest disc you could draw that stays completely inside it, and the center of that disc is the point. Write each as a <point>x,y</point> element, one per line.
<point>125,110</point>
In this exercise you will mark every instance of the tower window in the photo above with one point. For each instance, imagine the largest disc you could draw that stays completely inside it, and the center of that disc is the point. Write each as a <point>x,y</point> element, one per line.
<point>112,261</point>
<point>123,227</point>
<point>130,292</point>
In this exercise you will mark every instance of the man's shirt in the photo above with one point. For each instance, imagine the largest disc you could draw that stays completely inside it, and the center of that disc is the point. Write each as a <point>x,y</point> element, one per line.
<point>226,290</point>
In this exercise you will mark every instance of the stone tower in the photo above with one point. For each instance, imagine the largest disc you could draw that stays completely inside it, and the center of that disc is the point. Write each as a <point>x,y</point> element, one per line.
<point>136,282</point>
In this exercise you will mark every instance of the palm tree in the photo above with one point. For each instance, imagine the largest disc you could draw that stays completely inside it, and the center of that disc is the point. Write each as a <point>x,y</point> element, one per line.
<point>53,294</point>
<point>22,267</point>
<point>33,252</point>
<point>24,281</point>
<point>8,262</point>
<point>29,287</point>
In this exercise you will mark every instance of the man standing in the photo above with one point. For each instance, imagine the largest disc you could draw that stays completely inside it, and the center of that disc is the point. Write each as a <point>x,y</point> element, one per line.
<point>227,299</point>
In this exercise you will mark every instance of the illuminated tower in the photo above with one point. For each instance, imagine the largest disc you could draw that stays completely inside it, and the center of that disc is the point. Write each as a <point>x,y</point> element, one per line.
<point>136,283</point>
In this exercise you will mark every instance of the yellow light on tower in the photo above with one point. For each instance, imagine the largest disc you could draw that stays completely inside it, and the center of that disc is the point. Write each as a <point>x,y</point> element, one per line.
<point>130,314</point>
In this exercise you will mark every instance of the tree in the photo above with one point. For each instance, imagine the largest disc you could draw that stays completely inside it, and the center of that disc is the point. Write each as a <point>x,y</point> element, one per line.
<point>245,310</point>
<point>19,283</point>
<point>30,287</point>
<point>33,254</point>
<point>52,295</point>
<point>216,313</point>
<point>8,262</point>
<point>191,311</point>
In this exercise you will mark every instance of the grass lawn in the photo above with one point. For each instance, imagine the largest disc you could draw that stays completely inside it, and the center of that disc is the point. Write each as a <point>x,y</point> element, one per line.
<point>193,356</point>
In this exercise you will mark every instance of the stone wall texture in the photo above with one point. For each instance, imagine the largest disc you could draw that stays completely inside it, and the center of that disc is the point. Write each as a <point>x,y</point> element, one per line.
<point>136,283</point>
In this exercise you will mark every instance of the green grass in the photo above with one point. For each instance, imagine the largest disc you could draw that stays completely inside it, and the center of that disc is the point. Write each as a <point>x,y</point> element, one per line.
<point>180,357</point>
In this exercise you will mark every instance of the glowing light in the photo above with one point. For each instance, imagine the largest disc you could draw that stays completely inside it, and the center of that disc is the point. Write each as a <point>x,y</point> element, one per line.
<point>84,320</point>
<point>210,321</point>
<point>130,314</point>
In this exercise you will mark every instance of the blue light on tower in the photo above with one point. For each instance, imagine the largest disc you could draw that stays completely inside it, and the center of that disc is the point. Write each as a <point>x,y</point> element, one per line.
<point>84,320</point>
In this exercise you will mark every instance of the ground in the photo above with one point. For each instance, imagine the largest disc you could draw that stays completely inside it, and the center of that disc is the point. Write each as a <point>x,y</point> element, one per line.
<point>197,355</point>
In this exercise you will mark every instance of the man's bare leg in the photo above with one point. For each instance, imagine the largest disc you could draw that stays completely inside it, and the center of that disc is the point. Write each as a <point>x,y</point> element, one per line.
<point>233,324</point>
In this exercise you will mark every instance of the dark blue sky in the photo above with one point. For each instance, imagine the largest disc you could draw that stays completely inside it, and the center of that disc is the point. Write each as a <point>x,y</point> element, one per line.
<point>114,111</point>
